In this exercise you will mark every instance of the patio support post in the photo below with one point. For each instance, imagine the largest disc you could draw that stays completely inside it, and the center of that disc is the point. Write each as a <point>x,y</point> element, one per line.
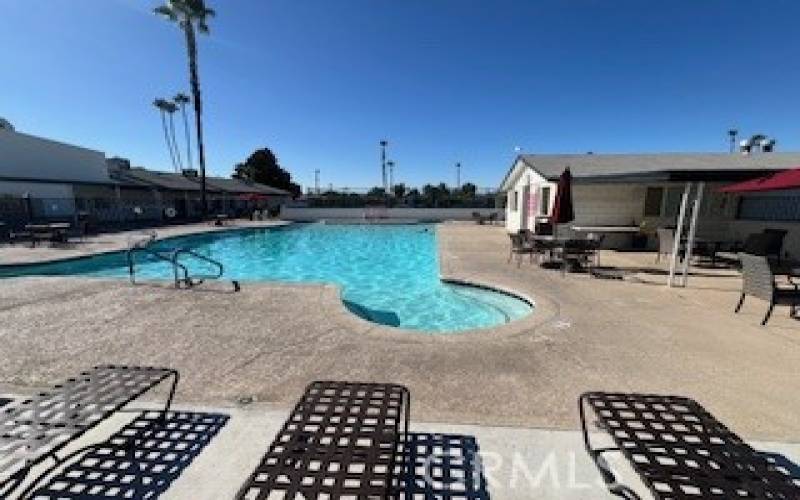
<point>673,261</point>
<point>698,200</point>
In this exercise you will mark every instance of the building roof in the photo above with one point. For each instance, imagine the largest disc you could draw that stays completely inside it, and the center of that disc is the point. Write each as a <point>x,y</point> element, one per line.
<point>179,182</point>
<point>163,180</point>
<point>244,187</point>
<point>652,167</point>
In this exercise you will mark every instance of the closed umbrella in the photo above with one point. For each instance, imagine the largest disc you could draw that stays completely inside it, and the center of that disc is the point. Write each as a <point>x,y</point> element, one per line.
<point>562,208</point>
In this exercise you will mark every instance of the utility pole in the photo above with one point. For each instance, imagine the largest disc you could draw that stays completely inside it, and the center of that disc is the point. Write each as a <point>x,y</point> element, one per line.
<point>458,175</point>
<point>316,180</point>
<point>390,163</point>
<point>732,133</point>
<point>384,143</point>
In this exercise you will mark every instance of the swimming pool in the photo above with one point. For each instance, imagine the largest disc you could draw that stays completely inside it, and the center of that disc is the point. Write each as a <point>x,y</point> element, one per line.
<point>389,274</point>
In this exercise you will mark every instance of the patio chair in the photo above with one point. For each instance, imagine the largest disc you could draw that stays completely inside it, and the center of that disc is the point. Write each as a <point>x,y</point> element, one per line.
<point>342,440</point>
<point>479,219</point>
<point>774,242</point>
<point>520,245</point>
<point>580,252</point>
<point>39,427</point>
<point>759,281</point>
<point>679,450</point>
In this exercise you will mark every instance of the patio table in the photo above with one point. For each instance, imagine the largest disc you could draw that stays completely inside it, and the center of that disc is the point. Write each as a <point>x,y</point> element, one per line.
<point>713,246</point>
<point>788,268</point>
<point>54,231</point>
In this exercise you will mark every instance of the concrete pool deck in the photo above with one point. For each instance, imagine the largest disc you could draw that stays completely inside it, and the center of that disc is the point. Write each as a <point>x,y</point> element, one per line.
<point>267,342</point>
<point>501,463</point>
<point>110,242</point>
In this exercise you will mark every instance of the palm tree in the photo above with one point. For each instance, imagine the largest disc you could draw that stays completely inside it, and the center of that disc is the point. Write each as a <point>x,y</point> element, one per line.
<point>163,105</point>
<point>182,100</point>
<point>191,15</point>
<point>171,108</point>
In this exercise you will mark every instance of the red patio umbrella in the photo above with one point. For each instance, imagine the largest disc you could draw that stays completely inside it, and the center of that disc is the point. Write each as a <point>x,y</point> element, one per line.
<point>562,208</point>
<point>788,179</point>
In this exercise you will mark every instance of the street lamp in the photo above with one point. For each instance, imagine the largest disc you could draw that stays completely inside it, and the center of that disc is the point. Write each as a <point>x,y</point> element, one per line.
<point>732,133</point>
<point>383,143</point>
<point>390,163</point>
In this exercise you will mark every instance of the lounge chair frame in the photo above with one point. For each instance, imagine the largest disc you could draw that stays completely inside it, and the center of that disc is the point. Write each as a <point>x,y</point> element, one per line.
<point>37,428</point>
<point>679,450</point>
<point>342,440</point>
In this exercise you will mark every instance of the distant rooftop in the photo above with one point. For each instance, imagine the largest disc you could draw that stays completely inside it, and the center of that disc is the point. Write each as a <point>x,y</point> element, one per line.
<point>654,166</point>
<point>179,182</point>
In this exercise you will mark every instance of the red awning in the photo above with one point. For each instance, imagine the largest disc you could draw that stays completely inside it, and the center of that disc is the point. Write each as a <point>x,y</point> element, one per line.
<point>789,179</point>
<point>253,197</point>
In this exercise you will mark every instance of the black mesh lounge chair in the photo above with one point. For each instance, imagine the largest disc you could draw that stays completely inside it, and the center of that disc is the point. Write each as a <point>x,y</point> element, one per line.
<point>759,281</point>
<point>680,451</point>
<point>342,440</point>
<point>37,428</point>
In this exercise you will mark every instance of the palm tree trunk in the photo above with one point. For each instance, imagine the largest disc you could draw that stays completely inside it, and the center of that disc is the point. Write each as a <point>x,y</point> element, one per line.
<point>175,142</point>
<point>166,138</point>
<point>191,46</point>
<point>188,136</point>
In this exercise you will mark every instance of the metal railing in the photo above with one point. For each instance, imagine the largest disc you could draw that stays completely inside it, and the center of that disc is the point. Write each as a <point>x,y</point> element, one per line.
<point>181,273</point>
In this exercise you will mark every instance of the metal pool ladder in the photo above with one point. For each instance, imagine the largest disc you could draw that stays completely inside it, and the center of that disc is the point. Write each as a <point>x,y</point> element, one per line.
<point>172,256</point>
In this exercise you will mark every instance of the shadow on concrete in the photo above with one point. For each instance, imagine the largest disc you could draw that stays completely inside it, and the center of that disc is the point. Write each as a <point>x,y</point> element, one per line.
<point>443,467</point>
<point>140,461</point>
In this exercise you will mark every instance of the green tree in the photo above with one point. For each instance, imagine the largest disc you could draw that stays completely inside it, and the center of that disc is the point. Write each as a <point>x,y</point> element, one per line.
<point>191,16</point>
<point>168,108</point>
<point>469,190</point>
<point>399,190</point>
<point>262,166</point>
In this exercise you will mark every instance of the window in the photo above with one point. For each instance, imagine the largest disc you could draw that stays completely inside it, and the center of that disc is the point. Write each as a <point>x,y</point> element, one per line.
<point>652,201</point>
<point>544,204</point>
<point>770,208</point>
<point>672,204</point>
<point>512,202</point>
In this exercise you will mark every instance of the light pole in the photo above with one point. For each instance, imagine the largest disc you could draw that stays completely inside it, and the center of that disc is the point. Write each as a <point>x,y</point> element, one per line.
<point>458,175</point>
<point>384,143</point>
<point>732,133</point>
<point>390,163</point>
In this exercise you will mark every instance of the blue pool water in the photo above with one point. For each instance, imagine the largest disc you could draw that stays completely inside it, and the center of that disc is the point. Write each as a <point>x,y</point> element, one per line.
<point>388,274</point>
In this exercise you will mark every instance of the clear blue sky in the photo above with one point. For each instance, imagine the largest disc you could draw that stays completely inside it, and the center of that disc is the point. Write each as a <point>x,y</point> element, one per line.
<point>322,81</point>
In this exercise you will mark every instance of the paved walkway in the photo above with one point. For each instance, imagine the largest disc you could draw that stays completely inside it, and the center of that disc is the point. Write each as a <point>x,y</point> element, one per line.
<point>268,341</point>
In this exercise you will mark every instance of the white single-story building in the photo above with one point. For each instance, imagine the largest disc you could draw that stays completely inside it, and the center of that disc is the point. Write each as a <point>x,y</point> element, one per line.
<point>646,190</point>
<point>45,179</point>
<point>45,169</point>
